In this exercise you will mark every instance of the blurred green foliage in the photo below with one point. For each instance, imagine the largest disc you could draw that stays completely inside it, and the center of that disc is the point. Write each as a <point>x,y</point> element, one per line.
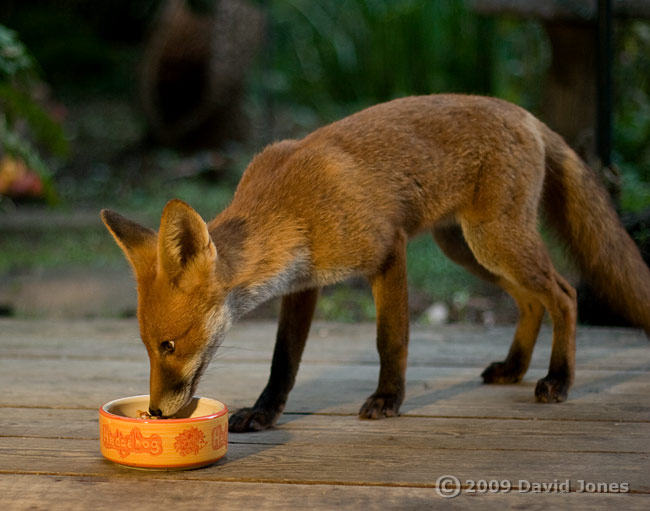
<point>24,123</point>
<point>14,58</point>
<point>632,113</point>
<point>336,56</point>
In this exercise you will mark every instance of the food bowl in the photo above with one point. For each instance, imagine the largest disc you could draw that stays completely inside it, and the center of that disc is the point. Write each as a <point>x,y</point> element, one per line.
<point>197,439</point>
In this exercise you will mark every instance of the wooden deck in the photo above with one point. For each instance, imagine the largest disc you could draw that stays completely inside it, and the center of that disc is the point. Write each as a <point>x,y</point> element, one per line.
<point>54,375</point>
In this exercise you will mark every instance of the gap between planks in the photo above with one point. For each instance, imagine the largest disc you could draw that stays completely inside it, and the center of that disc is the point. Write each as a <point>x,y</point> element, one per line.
<point>342,414</point>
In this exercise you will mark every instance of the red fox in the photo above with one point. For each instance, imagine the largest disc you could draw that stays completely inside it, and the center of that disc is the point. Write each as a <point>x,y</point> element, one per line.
<point>343,201</point>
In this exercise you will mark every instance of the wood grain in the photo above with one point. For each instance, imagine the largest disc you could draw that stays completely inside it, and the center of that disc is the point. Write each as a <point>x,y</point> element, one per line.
<point>77,493</point>
<point>54,375</point>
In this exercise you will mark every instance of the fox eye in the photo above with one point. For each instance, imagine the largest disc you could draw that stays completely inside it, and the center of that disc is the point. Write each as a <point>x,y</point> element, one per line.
<point>167,347</point>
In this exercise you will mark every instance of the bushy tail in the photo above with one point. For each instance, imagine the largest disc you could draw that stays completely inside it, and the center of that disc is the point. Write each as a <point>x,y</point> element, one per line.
<point>577,206</point>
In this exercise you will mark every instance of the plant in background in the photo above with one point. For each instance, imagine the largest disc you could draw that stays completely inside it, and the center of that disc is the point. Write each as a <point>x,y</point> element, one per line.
<point>336,57</point>
<point>632,113</point>
<point>332,55</point>
<point>27,124</point>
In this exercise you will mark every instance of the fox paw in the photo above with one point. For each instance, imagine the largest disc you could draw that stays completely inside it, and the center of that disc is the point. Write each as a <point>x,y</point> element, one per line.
<point>499,372</point>
<point>380,406</point>
<point>551,390</point>
<point>251,419</point>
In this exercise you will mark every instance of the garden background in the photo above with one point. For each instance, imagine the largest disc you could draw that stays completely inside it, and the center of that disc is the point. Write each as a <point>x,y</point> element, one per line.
<point>80,130</point>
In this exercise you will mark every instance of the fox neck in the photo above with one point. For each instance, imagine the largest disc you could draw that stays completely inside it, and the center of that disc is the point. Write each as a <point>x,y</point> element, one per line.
<point>256,264</point>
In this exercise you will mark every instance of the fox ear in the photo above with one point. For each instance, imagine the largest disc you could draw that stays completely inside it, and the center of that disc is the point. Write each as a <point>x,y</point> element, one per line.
<point>137,242</point>
<point>184,240</point>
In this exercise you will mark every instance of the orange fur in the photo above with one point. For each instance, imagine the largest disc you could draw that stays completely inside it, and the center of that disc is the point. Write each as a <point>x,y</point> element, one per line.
<point>343,201</point>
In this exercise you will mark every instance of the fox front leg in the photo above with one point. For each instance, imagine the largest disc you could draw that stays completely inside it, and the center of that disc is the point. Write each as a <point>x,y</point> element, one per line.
<point>390,292</point>
<point>296,314</point>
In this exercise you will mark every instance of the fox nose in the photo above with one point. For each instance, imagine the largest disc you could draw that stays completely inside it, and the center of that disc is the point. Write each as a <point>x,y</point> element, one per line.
<point>155,412</point>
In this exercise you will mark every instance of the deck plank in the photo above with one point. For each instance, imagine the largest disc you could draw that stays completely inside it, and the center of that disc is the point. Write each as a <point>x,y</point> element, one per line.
<point>334,389</point>
<point>76,493</point>
<point>360,464</point>
<point>404,431</point>
<point>440,346</point>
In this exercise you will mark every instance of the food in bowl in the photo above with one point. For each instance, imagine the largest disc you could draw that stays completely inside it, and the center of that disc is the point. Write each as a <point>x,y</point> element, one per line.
<point>196,437</point>
<point>143,414</point>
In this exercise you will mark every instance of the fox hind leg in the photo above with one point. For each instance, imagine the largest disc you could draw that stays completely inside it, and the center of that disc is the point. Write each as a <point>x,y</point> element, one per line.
<point>514,367</point>
<point>516,253</point>
<point>451,241</point>
<point>555,385</point>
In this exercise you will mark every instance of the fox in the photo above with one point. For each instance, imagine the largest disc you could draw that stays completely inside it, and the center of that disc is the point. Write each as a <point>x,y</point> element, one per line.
<point>478,173</point>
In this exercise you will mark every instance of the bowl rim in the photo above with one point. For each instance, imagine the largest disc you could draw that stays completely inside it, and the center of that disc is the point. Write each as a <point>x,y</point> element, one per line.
<point>103,411</point>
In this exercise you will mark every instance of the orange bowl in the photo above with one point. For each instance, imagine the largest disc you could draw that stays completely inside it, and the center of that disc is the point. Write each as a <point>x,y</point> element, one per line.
<point>198,439</point>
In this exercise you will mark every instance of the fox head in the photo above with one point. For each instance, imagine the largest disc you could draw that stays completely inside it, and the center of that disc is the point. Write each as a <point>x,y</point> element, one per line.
<point>181,303</point>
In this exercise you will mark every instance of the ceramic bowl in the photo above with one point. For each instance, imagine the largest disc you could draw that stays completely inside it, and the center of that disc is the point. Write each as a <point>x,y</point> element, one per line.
<point>164,444</point>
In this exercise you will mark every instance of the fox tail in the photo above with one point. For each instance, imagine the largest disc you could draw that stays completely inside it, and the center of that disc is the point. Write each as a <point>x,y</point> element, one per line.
<point>579,209</point>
